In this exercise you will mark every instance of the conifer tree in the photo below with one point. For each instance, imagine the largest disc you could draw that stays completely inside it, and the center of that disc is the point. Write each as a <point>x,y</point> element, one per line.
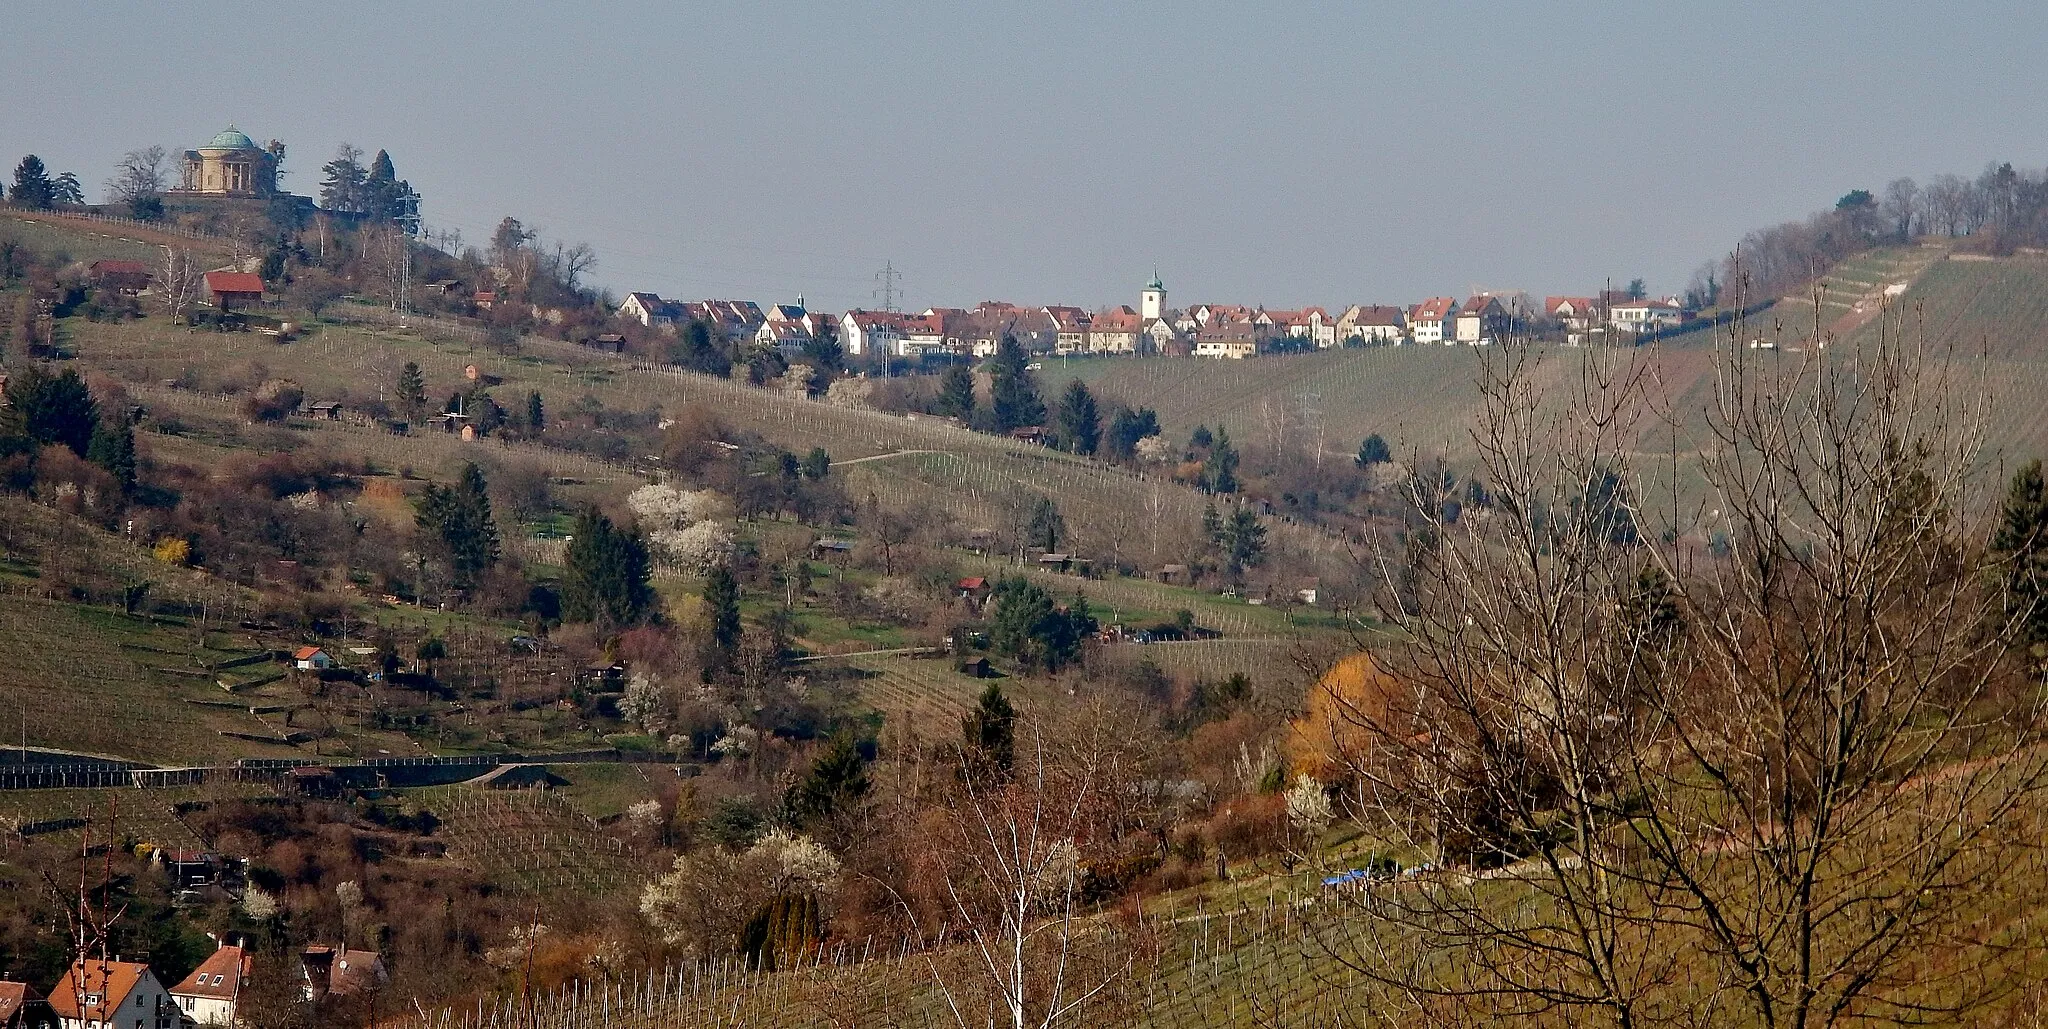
<point>113,448</point>
<point>536,413</point>
<point>32,184</point>
<point>412,391</point>
<point>990,729</point>
<point>1219,470</point>
<point>837,780</point>
<point>43,409</point>
<point>606,581</point>
<point>956,393</point>
<point>1013,393</point>
<point>1080,424</point>
<point>1046,526</point>
<point>722,603</point>
<point>2021,542</point>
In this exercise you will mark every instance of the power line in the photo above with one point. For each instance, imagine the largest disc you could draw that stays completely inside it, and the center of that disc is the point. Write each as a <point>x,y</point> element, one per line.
<point>887,291</point>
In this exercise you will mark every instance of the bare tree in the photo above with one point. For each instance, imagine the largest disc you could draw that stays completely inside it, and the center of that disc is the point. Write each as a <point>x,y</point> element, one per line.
<point>139,176</point>
<point>1768,779</point>
<point>179,283</point>
<point>1012,881</point>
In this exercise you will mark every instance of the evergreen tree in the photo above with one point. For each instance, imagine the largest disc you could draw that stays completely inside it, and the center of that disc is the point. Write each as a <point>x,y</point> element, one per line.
<point>381,195</point>
<point>66,192</point>
<point>32,185</point>
<point>836,782</point>
<point>345,188</point>
<point>823,351</point>
<point>956,392</point>
<point>817,464</point>
<point>1212,524</point>
<point>607,577</point>
<point>412,391</point>
<point>1219,469</point>
<point>536,413</point>
<point>1373,451</point>
<point>2021,543</point>
<point>44,408</point>
<point>1244,540</point>
<point>1013,393</point>
<point>1046,526</point>
<point>990,729</point>
<point>1031,629</point>
<point>1200,437</point>
<point>113,448</point>
<point>1080,427</point>
<point>696,351</point>
<point>722,604</point>
<point>458,521</point>
<point>1127,427</point>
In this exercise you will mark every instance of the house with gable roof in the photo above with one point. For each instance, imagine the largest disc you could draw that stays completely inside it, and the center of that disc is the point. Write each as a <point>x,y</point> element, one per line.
<point>1434,320</point>
<point>96,993</point>
<point>212,994</point>
<point>1372,324</point>
<point>1116,331</point>
<point>649,309</point>
<point>1480,320</point>
<point>1070,329</point>
<point>21,1007</point>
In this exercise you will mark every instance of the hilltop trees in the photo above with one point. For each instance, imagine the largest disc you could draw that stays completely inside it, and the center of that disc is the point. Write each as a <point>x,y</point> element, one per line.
<point>138,183</point>
<point>342,189</point>
<point>33,186</point>
<point>1013,393</point>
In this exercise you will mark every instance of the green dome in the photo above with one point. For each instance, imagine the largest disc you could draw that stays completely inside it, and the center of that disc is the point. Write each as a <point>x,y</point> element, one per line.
<point>231,138</point>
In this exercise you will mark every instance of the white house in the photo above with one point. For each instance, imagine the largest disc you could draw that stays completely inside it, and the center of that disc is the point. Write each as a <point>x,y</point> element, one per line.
<point>789,337</point>
<point>869,332</point>
<point>648,309</point>
<point>1481,320</point>
<point>311,659</point>
<point>1433,320</point>
<point>211,994</point>
<point>1322,329</point>
<point>1644,315</point>
<point>97,994</point>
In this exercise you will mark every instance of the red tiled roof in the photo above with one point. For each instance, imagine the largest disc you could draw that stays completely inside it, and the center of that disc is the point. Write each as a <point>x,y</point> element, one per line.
<point>305,653</point>
<point>112,981</point>
<point>974,583</point>
<point>234,282</point>
<point>1479,304</point>
<point>1434,309</point>
<point>1375,314</point>
<point>218,977</point>
<point>12,997</point>
<point>1579,305</point>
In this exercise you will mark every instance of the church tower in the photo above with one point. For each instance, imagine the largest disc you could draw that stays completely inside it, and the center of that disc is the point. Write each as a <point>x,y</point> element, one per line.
<point>1152,301</point>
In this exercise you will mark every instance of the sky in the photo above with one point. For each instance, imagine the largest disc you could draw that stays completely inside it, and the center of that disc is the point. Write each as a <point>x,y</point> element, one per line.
<point>1260,153</point>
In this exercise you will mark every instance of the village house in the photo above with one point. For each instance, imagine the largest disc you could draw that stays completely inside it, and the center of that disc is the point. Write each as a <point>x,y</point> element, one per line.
<point>1481,320</point>
<point>1576,314</point>
<point>1371,324</point>
<point>112,994</point>
<point>870,332</point>
<point>1116,331</point>
<point>21,1007</point>
<point>649,309</point>
<point>1433,320</point>
<point>1070,329</point>
<point>731,320</point>
<point>788,337</point>
<point>212,994</point>
<point>1641,316</point>
<point>230,290</point>
<point>1163,338</point>
<point>1229,340</point>
<point>340,972</point>
<point>1321,328</point>
<point>311,659</point>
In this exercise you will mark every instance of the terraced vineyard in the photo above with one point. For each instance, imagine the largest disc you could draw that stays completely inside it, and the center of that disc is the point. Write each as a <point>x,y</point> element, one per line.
<point>148,816</point>
<point>528,840</point>
<point>88,680</point>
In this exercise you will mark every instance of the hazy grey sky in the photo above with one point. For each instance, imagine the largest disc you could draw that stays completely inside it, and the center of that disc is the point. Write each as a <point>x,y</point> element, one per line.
<point>1273,153</point>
